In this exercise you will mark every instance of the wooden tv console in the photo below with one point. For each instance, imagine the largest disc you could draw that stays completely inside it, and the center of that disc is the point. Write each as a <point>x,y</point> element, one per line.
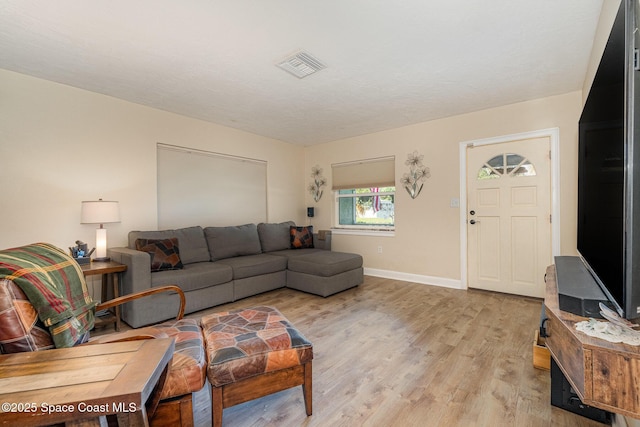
<point>604,375</point>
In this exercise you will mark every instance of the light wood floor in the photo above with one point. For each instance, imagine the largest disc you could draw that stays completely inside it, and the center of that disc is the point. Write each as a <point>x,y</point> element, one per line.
<point>392,353</point>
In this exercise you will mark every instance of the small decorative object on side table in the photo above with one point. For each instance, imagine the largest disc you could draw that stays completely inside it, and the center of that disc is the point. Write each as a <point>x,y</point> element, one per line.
<point>111,273</point>
<point>81,253</point>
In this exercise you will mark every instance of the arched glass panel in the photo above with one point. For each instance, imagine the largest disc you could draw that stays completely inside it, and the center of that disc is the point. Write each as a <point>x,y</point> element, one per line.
<point>486,172</point>
<point>506,164</point>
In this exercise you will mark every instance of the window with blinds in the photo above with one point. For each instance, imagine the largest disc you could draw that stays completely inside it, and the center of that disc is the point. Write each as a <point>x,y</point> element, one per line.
<point>365,193</point>
<point>380,172</point>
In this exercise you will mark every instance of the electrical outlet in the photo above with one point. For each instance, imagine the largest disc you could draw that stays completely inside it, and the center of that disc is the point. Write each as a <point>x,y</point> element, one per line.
<point>379,249</point>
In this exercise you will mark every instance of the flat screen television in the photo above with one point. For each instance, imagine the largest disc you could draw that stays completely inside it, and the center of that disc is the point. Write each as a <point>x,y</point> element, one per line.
<point>609,170</point>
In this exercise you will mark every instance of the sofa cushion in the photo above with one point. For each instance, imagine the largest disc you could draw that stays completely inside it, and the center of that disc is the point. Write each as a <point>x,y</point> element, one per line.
<point>254,265</point>
<point>164,254</point>
<point>194,276</point>
<point>301,237</point>
<point>193,246</point>
<point>228,242</point>
<point>274,237</point>
<point>325,263</point>
<point>296,252</point>
<point>20,329</point>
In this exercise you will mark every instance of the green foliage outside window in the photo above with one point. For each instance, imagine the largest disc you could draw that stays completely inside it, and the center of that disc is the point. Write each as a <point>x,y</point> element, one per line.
<point>366,207</point>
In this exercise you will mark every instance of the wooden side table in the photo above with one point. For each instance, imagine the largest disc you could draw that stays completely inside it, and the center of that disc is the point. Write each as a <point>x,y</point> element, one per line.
<point>111,273</point>
<point>82,385</point>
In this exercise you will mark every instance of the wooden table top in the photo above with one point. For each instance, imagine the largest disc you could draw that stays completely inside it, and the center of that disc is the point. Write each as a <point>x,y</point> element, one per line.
<point>102,267</point>
<point>87,381</point>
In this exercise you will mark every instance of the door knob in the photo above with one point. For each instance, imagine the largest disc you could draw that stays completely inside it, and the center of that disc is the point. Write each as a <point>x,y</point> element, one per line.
<point>473,221</point>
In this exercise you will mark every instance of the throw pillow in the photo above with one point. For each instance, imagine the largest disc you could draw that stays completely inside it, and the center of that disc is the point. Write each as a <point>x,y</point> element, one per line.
<point>193,246</point>
<point>165,253</point>
<point>301,237</point>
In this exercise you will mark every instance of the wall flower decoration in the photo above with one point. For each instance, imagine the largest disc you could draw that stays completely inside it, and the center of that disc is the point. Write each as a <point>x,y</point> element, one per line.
<point>413,181</point>
<point>315,188</point>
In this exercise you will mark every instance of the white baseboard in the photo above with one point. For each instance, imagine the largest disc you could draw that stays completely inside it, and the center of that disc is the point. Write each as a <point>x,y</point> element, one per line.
<point>416,278</point>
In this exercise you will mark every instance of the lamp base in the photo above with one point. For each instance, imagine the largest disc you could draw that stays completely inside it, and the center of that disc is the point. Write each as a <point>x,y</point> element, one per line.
<point>102,259</point>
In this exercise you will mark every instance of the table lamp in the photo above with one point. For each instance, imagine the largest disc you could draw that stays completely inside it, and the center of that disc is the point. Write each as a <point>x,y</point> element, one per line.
<point>100,212</point>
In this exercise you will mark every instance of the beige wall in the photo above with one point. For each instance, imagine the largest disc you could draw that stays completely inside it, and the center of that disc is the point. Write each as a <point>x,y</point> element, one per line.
<point>60,145</point>
<point>605,22</point>
<point>427,239</point>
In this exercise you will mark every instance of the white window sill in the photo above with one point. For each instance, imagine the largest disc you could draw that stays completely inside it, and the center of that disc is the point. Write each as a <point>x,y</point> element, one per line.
<point>363,232</point>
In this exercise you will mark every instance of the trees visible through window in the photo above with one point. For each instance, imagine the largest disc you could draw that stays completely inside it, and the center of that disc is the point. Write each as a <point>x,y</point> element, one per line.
<point>366,207</point>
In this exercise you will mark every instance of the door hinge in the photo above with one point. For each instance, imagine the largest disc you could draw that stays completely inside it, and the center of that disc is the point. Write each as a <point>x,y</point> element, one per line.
<point>551,219</point>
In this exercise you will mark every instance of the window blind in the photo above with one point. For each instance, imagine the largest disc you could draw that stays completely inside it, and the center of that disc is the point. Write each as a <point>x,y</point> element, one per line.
<point>197,187</point>
<point>380,172</point>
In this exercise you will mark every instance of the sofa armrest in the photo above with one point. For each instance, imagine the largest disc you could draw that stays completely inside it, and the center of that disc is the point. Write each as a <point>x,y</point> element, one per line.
<point>137,278</point>
<point>322,239</point>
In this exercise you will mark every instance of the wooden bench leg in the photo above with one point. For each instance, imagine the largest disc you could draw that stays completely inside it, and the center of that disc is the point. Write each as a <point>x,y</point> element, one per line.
<point>307,388</point>
<point>174,412</point>
<point>259,386</point>
<point>216,406</point>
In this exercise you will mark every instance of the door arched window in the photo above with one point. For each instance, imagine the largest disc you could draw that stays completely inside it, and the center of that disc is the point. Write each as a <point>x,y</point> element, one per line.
<point>508,164</point>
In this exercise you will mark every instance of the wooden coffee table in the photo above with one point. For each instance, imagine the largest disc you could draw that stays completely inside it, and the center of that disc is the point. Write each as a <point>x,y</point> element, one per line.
<point>83,384</point>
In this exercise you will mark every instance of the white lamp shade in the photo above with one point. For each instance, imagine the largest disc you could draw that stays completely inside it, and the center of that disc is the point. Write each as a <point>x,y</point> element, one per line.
<point>99,212</point>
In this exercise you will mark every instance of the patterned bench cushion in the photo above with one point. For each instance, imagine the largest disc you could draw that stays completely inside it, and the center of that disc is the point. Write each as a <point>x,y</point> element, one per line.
<point>249,342</point>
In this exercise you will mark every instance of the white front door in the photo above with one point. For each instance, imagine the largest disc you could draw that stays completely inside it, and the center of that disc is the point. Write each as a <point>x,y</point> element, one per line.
<point>509,216</point>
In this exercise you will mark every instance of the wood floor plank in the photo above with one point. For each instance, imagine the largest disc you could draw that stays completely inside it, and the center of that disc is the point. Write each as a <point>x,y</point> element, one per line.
<point>393,353</point>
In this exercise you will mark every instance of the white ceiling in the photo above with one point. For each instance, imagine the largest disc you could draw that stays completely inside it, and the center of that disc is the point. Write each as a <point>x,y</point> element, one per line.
<point>389,63</point>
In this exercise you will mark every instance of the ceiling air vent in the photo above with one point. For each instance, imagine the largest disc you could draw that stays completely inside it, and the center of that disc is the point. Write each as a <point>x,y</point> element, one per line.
<point>301,64</point>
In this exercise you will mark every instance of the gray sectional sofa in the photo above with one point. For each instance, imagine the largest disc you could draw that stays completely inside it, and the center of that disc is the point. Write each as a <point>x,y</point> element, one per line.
<point>224,264</point>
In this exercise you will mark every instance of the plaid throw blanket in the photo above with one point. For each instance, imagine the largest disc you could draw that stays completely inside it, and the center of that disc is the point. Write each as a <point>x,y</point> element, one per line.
<point>55,286</point>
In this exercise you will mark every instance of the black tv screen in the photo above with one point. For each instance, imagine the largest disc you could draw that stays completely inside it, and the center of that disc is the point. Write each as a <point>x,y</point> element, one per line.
<point>600,205</point>
<point>601,169</point>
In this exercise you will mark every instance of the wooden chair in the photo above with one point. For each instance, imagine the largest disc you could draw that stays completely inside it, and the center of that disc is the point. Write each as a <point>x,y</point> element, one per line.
<point>21,330</point>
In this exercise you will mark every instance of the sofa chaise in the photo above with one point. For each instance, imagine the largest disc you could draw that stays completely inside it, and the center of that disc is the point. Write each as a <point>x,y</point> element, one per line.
<point>217,265</point>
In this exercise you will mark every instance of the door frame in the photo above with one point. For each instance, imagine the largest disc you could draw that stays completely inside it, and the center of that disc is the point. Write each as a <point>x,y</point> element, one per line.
<point>554,140</point>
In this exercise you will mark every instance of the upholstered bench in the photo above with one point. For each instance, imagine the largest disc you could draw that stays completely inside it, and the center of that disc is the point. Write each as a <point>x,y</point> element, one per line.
<point>254,352</point>
<point>324,273</point>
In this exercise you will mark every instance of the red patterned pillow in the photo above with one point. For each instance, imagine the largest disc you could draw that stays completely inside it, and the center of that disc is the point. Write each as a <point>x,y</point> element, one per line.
<point>301,237</point>
<point>165,254</point>
<point>20,329</point>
